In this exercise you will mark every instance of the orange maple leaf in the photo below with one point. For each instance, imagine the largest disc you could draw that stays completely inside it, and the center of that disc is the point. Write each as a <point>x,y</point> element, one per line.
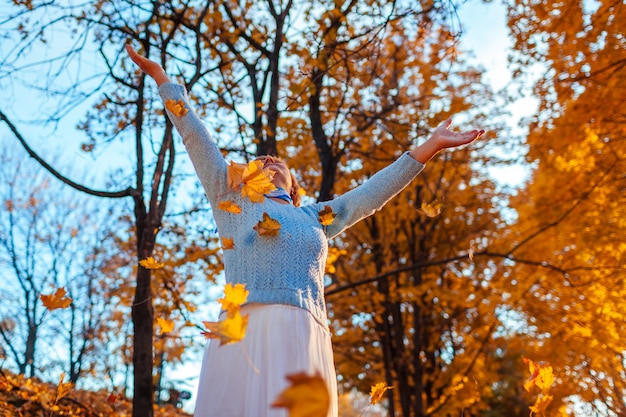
<point>56,300</point>
<point>229,206</point>
<point>377,391</point>
<point>432,209</point>
<point>227,243</point>
<point>541,375</point>
<point>234,172</point>
<point>177,107</point>
<point>150,263</point>
<point>267,226</point>
<point>256,182</point>
<point>165,325</point>
<point>327,217</point>
<point>230,330</point>
<point>541,404</point>
<point>63,388</point>
<point>307,396</point>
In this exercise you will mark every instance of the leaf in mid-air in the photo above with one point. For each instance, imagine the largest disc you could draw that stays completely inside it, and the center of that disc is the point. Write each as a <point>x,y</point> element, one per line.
<point>267,226</point>
<point>307,396</point>
<point>165,325</point>
<point>176,107</point>
<point>229,206</point>
<point>327,217</point>
<point>230,330</point>
<point>63,388</point>
<point>256,182</point>
<point>432,209</point>
<point>56,300</point>
<point>541,375</point>
<point>150,263</point>
<point>377,391</point>
<point>234,295</point>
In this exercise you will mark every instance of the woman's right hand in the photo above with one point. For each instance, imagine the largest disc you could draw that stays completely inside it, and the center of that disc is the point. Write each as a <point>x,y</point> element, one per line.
<point>148,66</point>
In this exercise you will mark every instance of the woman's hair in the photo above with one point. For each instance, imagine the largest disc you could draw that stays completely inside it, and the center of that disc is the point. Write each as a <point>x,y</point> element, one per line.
<point>294,193</point>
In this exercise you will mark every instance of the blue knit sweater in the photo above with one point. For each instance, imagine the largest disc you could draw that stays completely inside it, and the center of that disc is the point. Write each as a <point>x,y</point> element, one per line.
<point>288,268</point>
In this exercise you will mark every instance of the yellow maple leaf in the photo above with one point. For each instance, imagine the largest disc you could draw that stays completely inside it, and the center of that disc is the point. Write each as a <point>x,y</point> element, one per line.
<point>230,330</point>
<point>63,388</point>
<point>327,217</point>
<point>165,325</point>
<point>229,206</point>
<point>234,173</point>
<point>256,182</point>
<point>307,396</point>
<point>150,263</point>
<point>227,243</point>
<point>541,404</point>
<point>234,295</point>
<point>56,300</point>
<point>176,107</point>
<point>267,226</point>
<point>377,391</point>
<point>432,209</point>
<point>541,375</point>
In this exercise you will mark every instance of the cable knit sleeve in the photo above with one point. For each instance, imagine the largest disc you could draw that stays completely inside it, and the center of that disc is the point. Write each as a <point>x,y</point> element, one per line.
<point>205,156</point>
<point>372,195</point>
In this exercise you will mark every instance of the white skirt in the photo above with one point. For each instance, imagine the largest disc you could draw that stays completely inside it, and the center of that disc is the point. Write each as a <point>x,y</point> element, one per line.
<point>243,379</point>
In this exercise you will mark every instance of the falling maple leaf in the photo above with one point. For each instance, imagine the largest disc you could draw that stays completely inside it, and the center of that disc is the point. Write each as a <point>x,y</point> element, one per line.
<point>307,396</point>
<point>327,217</point>
<point>234,172</point>
<point>432,209</point>
<point>177,107</point>
<point>165,325</point>
<point>233,295</point>
<point>112,398</point>
<point>150,263</point>
<point>229,206</point>
<point>377,391</point>
<point>541,375</point>
<point>63,388</point>
<point>56,300</point>
<point>541,404</point>
<point>256,182</point>
<point>267,226</point>
<point>230,330</point>
<point>227,243</point>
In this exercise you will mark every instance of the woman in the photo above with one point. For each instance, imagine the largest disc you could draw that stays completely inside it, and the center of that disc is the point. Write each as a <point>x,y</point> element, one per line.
<point>287,330</point>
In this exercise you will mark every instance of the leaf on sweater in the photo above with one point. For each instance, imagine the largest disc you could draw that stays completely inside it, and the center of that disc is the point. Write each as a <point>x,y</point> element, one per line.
<point>432,209</point>
<point>327,217</point>
<point>228,243</point>
<point>56,300</point>
<point>176,107</point>
<point>229,206</point>
<point>165,325</point>
<point>377,391</point>
<point>307,396</point>
<point>150,263</point>
<point>230,330</point>
<point>256,182</point>
<point>267,226</point>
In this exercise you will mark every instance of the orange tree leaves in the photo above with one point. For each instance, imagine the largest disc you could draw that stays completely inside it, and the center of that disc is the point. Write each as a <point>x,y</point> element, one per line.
<point>307,396</point>
<point>268,226</point>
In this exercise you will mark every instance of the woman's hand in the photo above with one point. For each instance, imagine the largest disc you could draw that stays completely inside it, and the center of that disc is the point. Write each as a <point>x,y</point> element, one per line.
<point>443,138</point>
<point>148,66</point>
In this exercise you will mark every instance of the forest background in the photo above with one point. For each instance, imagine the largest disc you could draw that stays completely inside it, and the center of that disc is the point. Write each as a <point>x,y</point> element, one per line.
<point>441,295</point>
